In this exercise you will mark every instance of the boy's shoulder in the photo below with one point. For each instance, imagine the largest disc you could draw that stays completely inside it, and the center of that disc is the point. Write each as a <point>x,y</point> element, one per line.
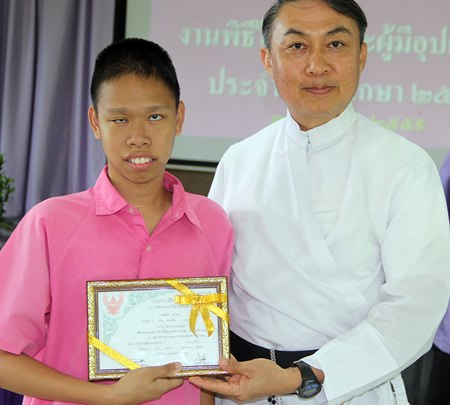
<point>64,209</point>
<point>204,207</point>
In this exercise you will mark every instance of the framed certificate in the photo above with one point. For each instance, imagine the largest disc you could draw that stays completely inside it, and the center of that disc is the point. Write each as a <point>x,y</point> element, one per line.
<point>138,323</point>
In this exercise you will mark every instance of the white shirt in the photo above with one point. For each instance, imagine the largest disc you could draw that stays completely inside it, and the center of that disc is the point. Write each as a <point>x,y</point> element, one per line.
<point>341,244</point>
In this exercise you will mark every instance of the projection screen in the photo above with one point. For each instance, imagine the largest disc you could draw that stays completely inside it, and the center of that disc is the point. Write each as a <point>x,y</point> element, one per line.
<point>215,47</point>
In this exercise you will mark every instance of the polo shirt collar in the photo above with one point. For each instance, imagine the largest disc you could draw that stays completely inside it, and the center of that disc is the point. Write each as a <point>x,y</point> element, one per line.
<point>109,201</point>
<point>180,204</point>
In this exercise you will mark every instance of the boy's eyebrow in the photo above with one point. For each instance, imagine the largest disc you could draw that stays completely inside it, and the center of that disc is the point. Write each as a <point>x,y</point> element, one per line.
<point>338,30</point>
<point>118,110</point>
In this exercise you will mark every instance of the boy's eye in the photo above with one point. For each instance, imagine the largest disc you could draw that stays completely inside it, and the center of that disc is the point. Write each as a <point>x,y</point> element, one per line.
<point>155,117</point>
<point>119,120</point>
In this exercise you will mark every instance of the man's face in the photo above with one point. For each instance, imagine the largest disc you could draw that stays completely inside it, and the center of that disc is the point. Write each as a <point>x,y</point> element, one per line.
<point>136,121</point>
<point>315,61</point>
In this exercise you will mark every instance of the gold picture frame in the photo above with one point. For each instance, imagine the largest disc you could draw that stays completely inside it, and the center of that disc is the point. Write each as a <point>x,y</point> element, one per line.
<point>138,323</point>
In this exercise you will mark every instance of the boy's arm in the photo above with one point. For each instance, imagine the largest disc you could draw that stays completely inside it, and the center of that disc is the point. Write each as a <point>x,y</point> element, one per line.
<point>206,398</point>
<point>24,375</point>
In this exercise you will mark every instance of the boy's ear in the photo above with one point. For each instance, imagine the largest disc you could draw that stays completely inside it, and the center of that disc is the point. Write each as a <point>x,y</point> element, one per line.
<point>180,117</point>
<point>93,121</point>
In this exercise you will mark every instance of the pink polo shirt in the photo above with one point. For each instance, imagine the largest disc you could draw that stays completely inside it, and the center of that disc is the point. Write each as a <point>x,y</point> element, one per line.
<point>96,235</point>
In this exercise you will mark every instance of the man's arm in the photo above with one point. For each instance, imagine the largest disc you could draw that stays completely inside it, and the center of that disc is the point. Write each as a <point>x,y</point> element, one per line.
<point>24,375</point>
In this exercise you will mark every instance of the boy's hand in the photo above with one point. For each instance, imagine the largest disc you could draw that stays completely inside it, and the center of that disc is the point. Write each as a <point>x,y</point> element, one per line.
<point>144,384</point>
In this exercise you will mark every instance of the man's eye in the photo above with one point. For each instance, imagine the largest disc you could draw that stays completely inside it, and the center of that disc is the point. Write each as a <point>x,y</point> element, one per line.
<point>337,44</point>
<point>155,117</point>
<point>119,120</point>
<point>297,45</point>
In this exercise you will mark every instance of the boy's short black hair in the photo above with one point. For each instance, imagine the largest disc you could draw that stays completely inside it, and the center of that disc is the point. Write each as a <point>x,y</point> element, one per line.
<point>134,56</point>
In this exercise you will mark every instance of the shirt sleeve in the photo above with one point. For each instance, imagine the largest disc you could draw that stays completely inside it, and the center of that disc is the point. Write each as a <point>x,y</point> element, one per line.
<point>415,256</point>
<point>225,263</point>
<point>24,288</point>
<point>223,238</point>
<point>216,191</point>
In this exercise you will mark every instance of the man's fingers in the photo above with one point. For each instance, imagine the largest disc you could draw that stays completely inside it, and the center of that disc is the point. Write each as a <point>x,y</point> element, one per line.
<point>231,385</point>
<point>214,385</point>
<point>229,365</point>
<point>198,381</point>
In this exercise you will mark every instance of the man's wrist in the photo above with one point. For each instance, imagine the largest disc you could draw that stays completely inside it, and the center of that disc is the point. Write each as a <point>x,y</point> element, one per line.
<point>293,379</point>
<point>310,385</point>
<point>319,374</point>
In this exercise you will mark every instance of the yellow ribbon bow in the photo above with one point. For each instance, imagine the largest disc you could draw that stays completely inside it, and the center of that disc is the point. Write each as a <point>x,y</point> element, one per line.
<point>200,303</point>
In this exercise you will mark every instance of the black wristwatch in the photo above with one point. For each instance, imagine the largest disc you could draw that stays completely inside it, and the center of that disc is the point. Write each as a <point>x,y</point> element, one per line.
<point>310,384</point>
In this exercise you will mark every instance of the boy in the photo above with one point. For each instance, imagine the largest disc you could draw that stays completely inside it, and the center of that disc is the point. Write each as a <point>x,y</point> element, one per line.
<point>136,222</point>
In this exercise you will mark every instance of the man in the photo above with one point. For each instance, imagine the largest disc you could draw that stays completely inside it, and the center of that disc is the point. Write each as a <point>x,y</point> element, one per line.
<point>341,243</point>
<point>137,222</point>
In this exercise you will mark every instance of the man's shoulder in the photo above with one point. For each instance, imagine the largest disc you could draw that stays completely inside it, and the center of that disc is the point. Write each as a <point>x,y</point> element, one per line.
<point>378,140</point>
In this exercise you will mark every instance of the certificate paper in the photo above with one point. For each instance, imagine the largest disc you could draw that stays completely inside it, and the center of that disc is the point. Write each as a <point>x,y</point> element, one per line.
<point>141,321</point>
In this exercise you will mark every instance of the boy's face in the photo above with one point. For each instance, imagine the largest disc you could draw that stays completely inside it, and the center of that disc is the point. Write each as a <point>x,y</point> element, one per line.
<point>136,121</point>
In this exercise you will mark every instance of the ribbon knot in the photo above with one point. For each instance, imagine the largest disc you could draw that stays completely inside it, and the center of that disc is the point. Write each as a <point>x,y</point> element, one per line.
<point>202,304</point>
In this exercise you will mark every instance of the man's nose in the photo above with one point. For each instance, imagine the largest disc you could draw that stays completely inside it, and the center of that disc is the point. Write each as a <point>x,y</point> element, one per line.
<point>317,63</point>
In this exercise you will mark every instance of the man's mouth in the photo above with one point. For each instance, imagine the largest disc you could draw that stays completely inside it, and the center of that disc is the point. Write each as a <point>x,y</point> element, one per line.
<point>319,90</point>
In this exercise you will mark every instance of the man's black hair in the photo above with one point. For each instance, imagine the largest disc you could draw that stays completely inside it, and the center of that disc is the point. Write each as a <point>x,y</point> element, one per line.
<point>348,8</point>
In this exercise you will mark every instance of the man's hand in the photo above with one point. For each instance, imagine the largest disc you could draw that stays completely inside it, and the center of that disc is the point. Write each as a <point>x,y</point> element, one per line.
<point>144,384</point>
<point>251,380</point>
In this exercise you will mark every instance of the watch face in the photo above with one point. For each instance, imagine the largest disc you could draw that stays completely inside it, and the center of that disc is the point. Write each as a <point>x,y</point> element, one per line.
<point>310,389</point>
<point>310,385</point>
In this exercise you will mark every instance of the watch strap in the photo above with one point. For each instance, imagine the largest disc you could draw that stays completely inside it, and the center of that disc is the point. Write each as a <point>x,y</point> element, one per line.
<point>310,385</point>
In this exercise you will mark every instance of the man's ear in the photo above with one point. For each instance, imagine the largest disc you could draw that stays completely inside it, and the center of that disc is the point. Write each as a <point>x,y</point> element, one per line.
<point>266,60</point>
<point>180,117</point>
<point>93,121</point>
<point>362,57</point>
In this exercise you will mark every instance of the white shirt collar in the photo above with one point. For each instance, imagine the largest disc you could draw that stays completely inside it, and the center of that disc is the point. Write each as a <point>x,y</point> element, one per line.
<point>322,135</point>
